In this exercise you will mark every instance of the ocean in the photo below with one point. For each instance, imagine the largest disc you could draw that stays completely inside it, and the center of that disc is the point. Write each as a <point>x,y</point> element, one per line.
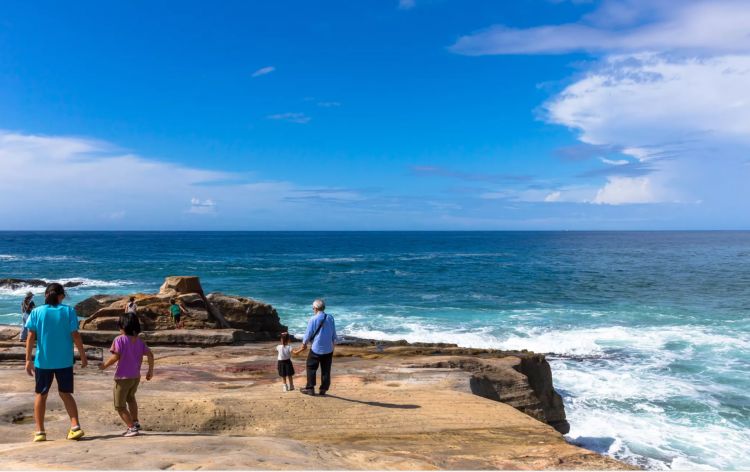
<point>648,333</point>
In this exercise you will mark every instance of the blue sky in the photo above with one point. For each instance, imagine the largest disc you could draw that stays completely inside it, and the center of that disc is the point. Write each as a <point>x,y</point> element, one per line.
<point>422,114</point>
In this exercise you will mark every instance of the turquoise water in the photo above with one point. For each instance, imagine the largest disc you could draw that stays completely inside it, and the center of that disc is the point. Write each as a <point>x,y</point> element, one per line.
<point>649,333</point>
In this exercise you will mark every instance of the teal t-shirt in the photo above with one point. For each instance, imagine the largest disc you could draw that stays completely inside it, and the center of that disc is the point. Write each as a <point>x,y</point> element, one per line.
<point>53,326</point>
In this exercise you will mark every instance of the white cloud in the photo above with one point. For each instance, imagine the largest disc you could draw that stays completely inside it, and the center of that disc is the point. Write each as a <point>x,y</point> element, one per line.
<point>614,162</point>
<point>63,182</point>
<point>202,207</point>
<point>263,71</point>
<point>291,117</point>
<point>645,100</point>
<point>623,190</point>
<point>693,26</point>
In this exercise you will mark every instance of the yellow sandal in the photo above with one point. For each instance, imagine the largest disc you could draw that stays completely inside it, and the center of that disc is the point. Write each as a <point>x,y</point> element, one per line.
<point>40,436</point>
<point>75,435</point>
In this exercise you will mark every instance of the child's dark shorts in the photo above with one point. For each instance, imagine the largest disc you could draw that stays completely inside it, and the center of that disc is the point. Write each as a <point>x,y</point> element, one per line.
<point>43,378</point>
<point>286,368</point>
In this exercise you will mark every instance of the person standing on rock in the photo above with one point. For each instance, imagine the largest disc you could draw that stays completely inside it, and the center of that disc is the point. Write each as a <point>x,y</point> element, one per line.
<point>53,329</point>
<point>176,311</point>
<point>26,307</point>
<point>321,336</point>
<point>131,307</point>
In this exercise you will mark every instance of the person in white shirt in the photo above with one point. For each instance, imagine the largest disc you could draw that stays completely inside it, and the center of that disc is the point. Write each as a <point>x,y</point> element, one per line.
<point>285,366</point>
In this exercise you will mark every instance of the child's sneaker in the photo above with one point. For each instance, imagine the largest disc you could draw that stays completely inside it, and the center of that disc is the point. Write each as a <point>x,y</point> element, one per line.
<point>130,432</point>
<point>137,425</point>
<point>75,434</point>
<point>285,388</point>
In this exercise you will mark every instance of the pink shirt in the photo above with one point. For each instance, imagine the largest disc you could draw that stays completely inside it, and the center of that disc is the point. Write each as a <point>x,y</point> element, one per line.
<point>131,356</point>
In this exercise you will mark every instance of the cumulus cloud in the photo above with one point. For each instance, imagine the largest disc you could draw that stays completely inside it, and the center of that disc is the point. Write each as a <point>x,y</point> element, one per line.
<point>263,71</point>
<point>693,26</point>
<point>64,182</point>
<point>291,117</point>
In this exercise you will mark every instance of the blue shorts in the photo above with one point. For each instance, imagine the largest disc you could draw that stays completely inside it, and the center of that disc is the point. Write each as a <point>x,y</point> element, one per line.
<point>44,378</point>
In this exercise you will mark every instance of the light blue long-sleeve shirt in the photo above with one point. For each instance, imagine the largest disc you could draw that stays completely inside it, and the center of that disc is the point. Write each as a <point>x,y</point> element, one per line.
<point>324,341</point>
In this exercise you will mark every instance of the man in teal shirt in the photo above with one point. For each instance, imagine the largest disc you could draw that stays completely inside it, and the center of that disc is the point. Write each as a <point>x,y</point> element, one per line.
<point>53,329</point>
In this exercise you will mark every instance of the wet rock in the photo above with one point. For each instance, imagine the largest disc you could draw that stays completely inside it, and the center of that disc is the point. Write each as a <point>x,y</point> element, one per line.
<point>16,284</point>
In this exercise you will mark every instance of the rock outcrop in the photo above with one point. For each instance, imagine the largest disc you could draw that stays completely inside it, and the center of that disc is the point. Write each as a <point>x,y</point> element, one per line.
<point>201,312</point>
<point>520,379</point>
<point>16,284</point>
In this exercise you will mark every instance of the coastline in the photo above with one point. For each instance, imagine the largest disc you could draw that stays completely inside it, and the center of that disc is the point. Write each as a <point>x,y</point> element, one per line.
<point>393,406</point>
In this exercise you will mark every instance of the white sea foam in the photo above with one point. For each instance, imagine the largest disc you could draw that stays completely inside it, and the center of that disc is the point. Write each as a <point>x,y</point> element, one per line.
<point>336,259</point>
<point>8,257</point>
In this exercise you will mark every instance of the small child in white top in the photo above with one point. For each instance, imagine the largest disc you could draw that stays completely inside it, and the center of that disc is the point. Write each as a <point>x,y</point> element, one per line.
<point>285,366</point>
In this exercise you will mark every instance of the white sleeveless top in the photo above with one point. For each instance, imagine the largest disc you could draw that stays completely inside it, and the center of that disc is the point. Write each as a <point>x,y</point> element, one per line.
<point>285,352</point>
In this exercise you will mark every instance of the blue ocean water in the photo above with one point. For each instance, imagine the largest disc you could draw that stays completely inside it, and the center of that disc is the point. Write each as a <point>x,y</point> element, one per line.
<point>648,332</point>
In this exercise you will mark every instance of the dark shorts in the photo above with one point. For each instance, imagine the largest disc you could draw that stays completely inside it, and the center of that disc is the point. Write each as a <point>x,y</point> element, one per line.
<point>176,319</point>
<point>286,368</point>
<point>44,378</point>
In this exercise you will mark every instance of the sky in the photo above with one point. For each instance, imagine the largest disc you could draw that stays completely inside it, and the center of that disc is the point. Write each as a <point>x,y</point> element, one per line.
<point>375,115</point>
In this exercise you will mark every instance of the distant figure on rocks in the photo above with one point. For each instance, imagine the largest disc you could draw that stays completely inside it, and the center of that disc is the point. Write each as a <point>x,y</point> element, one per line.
<point>176,311</point>
<point>53,329</point>
<point>131,307</point>
<point>26,307</point>
<point>128,351</point>
<point>321,336</point>
<point>284,362</point>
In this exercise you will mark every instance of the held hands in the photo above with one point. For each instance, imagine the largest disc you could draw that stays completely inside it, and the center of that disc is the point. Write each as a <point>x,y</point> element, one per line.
<point>299,350</point>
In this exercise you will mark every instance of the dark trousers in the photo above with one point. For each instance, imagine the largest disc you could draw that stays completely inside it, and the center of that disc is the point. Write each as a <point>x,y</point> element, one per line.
<point>325,361</point>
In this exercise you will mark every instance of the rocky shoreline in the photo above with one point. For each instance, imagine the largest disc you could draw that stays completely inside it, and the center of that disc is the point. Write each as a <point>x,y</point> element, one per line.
<point>395,405</point>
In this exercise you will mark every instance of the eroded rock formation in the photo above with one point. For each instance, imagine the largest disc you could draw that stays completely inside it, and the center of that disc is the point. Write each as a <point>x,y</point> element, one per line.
<point>201,311</point>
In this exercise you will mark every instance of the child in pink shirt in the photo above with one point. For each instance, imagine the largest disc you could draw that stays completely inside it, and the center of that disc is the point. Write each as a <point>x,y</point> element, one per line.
<point>128,351</point>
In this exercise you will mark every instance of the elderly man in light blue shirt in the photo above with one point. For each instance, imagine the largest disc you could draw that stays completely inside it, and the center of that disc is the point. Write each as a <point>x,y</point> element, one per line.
<point>321,336</point>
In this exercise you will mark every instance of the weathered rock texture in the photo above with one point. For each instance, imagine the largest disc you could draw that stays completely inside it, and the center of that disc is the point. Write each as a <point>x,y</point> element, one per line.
<point>522,379</point>
<point>214,311</point>
<point>222,408</point>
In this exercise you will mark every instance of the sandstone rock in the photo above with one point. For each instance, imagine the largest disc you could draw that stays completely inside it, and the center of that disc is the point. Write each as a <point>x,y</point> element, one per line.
<point>93,304</point>
<point>176,337</point>
<point>247,314</point>
<point>9,333</point>
<point>259,320</point>
<point>181,284</point>
<point>522,381</point>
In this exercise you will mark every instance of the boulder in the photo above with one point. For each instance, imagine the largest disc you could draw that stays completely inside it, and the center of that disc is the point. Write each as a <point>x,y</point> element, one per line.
<point>153,313</point>
<point>175,285</point>
<point>93,304</point>
<point>248,314</point>
<point>259,320</point>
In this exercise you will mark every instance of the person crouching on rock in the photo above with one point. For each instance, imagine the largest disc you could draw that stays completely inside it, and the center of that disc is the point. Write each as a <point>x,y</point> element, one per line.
<point>321,336</point>
<point>176,311</point>
<point>128,351</point>
<point>131,307</point>
<point>284,362</point>
<point>53,329</point>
